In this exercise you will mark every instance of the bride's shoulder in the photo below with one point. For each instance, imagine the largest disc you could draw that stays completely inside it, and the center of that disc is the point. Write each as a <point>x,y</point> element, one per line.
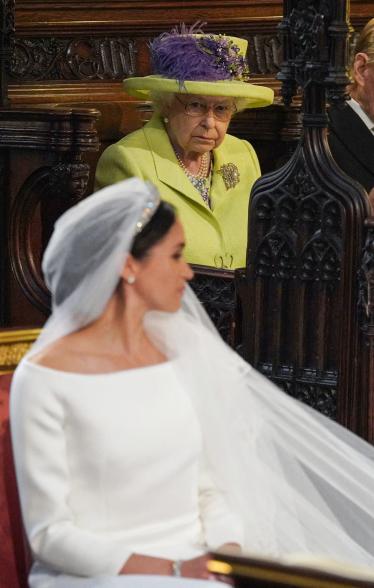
<point>60,355</point>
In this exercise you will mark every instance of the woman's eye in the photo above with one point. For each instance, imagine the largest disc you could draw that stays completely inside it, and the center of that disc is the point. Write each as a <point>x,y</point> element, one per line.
<point>221,108</point>
<point>197,105</point>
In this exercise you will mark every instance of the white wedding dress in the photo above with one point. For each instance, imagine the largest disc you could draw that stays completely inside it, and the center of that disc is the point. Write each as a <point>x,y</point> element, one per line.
<point>109,465</point>
<point>140,460</point>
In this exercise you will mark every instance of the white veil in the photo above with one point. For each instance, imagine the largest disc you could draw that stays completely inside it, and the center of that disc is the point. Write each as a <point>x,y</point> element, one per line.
<point>300,482</point>
<point>86,253</point>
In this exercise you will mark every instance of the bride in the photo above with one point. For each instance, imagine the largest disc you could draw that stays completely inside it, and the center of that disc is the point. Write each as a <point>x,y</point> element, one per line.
<point>141,441</point>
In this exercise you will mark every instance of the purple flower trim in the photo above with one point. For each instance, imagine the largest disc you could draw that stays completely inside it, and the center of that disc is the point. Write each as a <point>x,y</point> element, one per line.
<point>181,55</point>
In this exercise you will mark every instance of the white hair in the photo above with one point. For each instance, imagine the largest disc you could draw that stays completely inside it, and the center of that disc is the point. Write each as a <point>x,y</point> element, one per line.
<point>162,100</point>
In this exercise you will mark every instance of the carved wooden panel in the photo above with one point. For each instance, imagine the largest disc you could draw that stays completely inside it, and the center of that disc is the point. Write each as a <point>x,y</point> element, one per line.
<point>54,41</point>
<point>300,294</point>
<point>7,29</point>
<point>43,197</point>
<point>92,40</point>
<point>217,292</point>
<point>72,59</point>
<point>41,152</point>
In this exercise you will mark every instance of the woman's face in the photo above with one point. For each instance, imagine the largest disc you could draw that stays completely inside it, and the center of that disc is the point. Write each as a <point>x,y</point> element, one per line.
<point>161,276</point>
<point>202,133</point>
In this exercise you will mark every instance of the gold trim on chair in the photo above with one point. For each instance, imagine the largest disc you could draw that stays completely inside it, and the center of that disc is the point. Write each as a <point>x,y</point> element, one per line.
<point>14,343</point>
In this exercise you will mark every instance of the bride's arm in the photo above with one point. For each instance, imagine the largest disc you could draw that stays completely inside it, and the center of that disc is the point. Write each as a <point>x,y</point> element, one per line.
<point>222,528</point>
<point>44,481</point>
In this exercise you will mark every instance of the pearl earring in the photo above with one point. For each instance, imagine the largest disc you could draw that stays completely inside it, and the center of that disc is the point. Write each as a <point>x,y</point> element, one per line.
<point>130,280</point>
<point>166,120</point>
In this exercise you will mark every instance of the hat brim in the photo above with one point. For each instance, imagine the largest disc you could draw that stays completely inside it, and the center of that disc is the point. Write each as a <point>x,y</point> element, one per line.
<point>253,96</point>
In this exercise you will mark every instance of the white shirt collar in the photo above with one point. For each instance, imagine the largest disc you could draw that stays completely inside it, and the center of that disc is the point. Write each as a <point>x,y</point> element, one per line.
<point>362,114</point>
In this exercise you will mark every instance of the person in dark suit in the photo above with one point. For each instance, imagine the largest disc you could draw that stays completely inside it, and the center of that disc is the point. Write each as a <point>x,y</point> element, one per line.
<point>351,136</point>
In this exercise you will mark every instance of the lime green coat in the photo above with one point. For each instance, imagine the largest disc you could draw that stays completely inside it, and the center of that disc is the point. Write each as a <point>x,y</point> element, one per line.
<point>215,237</point>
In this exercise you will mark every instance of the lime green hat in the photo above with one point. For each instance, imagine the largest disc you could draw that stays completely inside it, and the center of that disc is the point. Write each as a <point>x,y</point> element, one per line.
<point>205,64</point>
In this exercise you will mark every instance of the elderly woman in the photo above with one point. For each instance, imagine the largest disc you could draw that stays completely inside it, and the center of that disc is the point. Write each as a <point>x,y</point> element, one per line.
<point>351,136</point>
<point>185,150</point>
<point>141,441</point>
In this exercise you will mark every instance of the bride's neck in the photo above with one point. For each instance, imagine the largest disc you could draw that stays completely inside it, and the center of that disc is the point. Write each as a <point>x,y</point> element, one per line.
<point>120,327</point>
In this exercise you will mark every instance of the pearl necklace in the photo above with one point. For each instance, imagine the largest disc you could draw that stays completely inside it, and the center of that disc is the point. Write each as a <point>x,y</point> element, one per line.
<point>201,180</point>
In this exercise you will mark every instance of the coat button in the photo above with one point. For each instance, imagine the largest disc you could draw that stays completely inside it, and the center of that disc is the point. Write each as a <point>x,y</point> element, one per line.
<point>218,261</point>
<point>228,260</point>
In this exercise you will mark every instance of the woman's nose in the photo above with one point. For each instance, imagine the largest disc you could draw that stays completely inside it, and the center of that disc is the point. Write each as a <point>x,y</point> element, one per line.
<point>188,273</point>
<point>209,121</point>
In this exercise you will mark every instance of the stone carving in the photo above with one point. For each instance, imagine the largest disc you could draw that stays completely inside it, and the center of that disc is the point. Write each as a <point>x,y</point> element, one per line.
<point>70,59</point>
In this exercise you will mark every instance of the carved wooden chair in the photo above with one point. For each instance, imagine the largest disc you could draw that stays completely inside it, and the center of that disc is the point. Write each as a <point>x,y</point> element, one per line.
<point>15,558</point>
<point>307,292</point>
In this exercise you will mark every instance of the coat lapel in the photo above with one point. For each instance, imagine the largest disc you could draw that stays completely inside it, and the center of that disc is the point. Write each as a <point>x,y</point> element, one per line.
<point>354,134</point>
<point>167,167</point>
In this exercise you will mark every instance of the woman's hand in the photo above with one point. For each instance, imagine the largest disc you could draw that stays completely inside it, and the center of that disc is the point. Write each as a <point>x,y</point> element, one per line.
<point>190,568</point>
<point>144,564</point>
<point>196,568</point>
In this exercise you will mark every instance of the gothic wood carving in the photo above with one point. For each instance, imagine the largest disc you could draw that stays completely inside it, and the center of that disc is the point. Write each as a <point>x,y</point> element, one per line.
<point>306,229</point>
<point>45,195</point>
<point>7,31</point>
<point>42,155</point>
<point>112,57</point>
<point>216,291</point>
<point>366,349</point>
<point>73,59</point>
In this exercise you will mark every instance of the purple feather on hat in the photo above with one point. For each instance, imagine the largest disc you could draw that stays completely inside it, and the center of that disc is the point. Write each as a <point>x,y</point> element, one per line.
<point>181,55</point>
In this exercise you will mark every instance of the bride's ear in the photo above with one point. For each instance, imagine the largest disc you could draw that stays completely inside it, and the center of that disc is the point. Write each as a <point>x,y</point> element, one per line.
<point>130,269</point>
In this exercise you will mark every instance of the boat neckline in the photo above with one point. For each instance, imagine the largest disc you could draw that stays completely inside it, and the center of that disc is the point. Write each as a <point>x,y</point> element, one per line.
<point>44,368</point>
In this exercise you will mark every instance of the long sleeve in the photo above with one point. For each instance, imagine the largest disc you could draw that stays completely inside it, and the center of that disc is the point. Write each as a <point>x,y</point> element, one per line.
<point>96,476</point>
<point>220,525</point>
<point>39,446</point>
